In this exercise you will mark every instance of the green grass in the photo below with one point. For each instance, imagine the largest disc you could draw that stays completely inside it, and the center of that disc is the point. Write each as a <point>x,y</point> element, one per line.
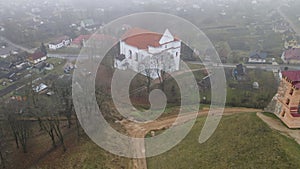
<point>239,93</point>
<point>270,115</point>
<point>67,50</point>
<point>194,66</point>
<point>242,94</point>
<point>240,141</point>
<point>58,66</point>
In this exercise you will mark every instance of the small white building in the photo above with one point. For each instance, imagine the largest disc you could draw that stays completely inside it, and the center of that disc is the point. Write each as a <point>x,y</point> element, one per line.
<point>255,85</point>
<point>6,51</point>
<point>39,88</point>
<point>86,23</point>
<point>148,52</point>
<point>60,42</point>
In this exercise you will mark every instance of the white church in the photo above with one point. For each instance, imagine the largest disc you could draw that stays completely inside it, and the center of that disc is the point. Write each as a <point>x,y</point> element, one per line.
<point>148,52</point>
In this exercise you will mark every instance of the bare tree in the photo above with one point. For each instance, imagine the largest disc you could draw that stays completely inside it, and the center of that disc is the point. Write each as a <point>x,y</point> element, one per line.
<point>11,121</point>
<point>58,132</point>
<point>164,62</point>
<point>48,126</point>
<point>20,129</point>
<point>144,68</point>
<point>23,130</point>
<point>2,147</point>
<point>10,114</point>
<point>63,92</point>
<point>51,122</point>
<point>149,79</point>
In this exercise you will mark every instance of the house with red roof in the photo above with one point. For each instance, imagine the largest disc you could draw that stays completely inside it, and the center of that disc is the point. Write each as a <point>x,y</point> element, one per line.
<point>291,56</point>
<point>37,57</point>
<point>81,40</point>
<point>288,99</point>
<point>147,52</point>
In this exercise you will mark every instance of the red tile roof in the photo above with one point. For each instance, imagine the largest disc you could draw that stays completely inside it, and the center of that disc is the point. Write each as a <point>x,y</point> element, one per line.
<point>36,55</point>
<point>293,54</point>
<point>295,114</point>
<point>80,38</point>
<point>135,31</point>
<point>142,38</point>
<point>293,76</point>
<point>142,41</point>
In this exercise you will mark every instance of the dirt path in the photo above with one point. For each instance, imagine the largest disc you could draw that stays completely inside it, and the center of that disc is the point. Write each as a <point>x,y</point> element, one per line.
<point>277,125</point>
<point>139,130</point>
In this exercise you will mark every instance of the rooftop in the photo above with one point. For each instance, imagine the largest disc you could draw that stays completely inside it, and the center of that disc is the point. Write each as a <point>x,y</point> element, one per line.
<point>142,39</point>
<point>81,38</point>
<point>36,55</point>
<point>60,39</point>
<point>257,54</point>
<point>293,76</point>
<point>293,53</point>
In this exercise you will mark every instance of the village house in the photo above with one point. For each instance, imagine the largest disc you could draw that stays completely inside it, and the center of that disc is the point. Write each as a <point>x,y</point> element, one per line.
<point>7,50</point>
<point>37,57</point>
<point>291,44</point>
<point>86,23</point>
<point>4,52</point>
<point>60,43</point>
<point>281,27</point>
<point>147,52</point>
<point>257,57</point>
<point>40,88</point>
<point>291,56</point>
<point>288,99</point>
<point>89,25</point>
<point>81,40</point>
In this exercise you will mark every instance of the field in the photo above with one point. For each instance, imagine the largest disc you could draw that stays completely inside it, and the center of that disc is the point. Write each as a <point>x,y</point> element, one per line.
<point>241,141</point>
<point>242,94</point>
<point>239,93</point>
<point>83,155</point>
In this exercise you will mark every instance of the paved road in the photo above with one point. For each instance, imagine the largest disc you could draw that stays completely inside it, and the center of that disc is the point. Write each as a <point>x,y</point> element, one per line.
<point>10,88</point>
<point>268,67</point>
<point>16,46</point>
<point>62,56</point>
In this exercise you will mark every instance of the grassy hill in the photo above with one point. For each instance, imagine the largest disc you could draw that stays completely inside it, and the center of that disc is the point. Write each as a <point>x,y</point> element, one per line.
<point>241,141</point>
<point>83,155</point>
